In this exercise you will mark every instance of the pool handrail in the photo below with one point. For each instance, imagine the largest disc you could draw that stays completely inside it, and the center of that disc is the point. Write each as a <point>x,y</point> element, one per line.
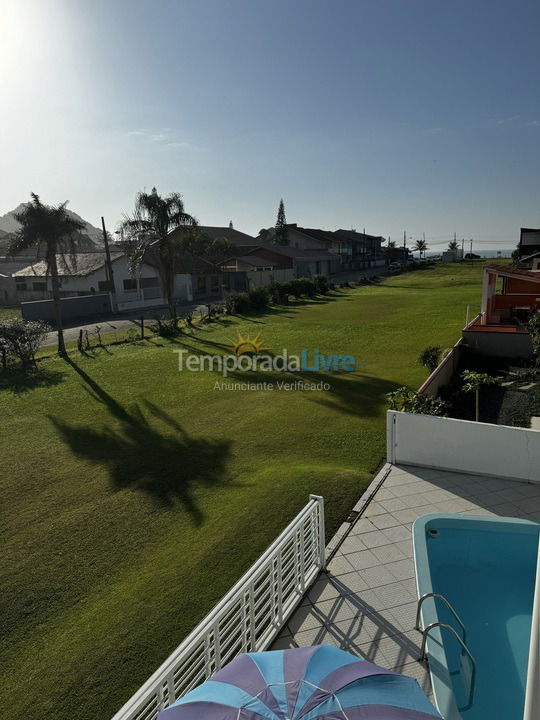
<point>448,605</point>
<point>532,688</point>
<point>425,634</point>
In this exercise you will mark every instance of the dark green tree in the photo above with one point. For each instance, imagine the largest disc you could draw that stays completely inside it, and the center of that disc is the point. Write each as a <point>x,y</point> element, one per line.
<point>50,230</point>
<point>147,234</point>
<point>281,235</point>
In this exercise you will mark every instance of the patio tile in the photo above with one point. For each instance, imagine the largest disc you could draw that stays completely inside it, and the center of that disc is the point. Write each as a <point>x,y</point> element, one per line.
<point>393,504</point>
<point>323,589</point>
<point>397,533</point>
<point>389,553</point>
<point>351,583</point>
<point>352,544</point>
<point>393,595</point>
<point>402,569</point>
<point>376,576</point>
<point>374,508</point>
<point>404,616</point>
<point>384,521</point>
<point>362,559</point>
<point>363,525</point>
<point>375,539</point>
<point>304,618</point>
<point>339,565</point>
<point>401,649</point>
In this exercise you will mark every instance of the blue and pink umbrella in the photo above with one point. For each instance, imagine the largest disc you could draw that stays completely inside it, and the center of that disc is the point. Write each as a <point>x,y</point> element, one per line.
<point>312,683</point>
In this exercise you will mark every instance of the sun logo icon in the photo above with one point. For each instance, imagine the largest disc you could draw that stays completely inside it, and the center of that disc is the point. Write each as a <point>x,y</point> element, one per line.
<point>246,345</point>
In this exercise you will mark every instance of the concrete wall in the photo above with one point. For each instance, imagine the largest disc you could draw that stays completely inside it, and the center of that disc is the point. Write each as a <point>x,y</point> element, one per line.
<point>499,344</point>
<point>75,308</point>
<point>463,446</point>
<point>442,374</point>
<point>8,293</point>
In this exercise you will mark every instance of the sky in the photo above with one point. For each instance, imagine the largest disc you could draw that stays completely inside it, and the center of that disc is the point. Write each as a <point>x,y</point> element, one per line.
<point>416,116</point>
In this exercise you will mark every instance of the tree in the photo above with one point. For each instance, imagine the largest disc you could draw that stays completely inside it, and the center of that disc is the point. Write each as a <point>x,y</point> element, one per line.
<point>53,232</point>
<point>281,235</point>
<point>421,247</point>
<point>22,338</point>
<point>453,245</point>
<point>230,225</point>
<point>391,244</point>
<point>430,357</point>
<point>147,234</point>
<point>533,326</point>
<point>472,382</point>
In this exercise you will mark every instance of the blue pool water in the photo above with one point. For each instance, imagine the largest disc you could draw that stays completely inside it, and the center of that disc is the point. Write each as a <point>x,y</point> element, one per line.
<point>486,568</point>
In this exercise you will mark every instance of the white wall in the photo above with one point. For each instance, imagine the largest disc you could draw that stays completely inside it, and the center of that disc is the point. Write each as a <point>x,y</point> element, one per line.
<point>463,446</point>
<point>265,277</point>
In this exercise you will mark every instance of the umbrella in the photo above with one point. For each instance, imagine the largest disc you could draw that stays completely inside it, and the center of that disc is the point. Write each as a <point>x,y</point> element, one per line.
<point>313,682</point>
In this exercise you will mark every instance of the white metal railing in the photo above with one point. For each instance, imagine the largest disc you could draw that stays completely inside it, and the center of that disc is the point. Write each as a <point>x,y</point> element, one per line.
<point>246,620</point>
<point>532,691</point>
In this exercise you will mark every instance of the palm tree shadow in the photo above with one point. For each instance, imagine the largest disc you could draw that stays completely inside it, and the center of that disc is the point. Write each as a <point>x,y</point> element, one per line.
<point>149,452</point>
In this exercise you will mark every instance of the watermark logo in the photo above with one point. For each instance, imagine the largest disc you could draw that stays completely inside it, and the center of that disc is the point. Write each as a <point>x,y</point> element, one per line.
<point>247,354</point>
<point>246,345</point>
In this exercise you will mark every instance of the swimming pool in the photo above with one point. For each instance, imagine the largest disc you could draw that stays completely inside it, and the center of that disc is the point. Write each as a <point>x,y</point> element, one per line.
<point>485,567</point>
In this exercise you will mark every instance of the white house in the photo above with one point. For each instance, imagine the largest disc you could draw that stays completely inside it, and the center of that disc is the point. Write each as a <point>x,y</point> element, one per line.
<point>87,273</point>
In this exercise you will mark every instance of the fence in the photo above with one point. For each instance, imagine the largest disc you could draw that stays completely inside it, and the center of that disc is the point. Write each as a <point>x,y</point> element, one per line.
<point>246,620</point>
<point>444,372</point>
<point>463,446</point>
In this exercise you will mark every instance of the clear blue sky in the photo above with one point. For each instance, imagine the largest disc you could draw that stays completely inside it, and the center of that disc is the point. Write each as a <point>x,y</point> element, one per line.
<point>383,114</point>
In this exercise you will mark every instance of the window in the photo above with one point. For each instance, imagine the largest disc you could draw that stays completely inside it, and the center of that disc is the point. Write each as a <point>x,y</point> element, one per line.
<point>20,285</point>
<point>130,285</point>
<point>201,283</point>
<point>39,285</point>
<point>149,282</point>
<point>104,285</point>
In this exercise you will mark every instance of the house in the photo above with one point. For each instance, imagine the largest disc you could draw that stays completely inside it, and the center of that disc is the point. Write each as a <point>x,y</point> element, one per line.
<point>509,295</point>
<point>529,242</point>
<point>87,274</point>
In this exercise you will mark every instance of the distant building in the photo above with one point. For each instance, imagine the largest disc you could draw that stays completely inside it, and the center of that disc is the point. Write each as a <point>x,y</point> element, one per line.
<point>529,242</point>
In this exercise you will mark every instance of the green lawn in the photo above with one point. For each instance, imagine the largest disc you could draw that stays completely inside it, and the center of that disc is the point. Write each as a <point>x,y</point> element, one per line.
<point>8,312</point>
<point>133,495</point>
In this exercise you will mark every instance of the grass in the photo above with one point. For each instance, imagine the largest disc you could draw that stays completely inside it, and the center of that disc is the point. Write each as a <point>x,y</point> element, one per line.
<point>9,312</point>
<point>136,495</point>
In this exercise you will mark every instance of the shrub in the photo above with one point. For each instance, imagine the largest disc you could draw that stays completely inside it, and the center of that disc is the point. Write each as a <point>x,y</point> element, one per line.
<point>278,292</point>
<point>166,327</point>
<point>408,400</point>
<point>22,338</point>
<point>430,357</point>
<point>237,302</point>
<point>259,297</point>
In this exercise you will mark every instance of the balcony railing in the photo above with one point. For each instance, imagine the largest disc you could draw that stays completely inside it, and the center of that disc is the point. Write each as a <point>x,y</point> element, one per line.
<point>246,620</point>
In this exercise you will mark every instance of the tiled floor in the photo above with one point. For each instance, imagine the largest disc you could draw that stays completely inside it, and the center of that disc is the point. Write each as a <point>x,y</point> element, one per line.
<point>365,602</point>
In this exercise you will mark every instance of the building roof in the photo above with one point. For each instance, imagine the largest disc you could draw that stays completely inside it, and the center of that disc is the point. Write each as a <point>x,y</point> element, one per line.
<point>235,237</point>
<point>297,253</point>
<point>78,265</point>
<point>509,271</point>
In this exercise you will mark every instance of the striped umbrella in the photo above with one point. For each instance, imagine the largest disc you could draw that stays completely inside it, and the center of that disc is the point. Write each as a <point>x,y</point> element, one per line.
<point>308,683</point>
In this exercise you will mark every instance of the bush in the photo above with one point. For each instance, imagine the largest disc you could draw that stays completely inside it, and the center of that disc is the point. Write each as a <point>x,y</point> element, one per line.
<point>259,297</point>
<point>430,357</point>
<point>166,327</point>
<point>278,292</point>
<point>408,400</point>
<point>237,302</point>
<point>321,283</point>
<point>22,338</point>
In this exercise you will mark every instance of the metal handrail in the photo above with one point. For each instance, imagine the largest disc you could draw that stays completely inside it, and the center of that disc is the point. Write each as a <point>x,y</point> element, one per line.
<point>448,605</point>
<point>425,634</point>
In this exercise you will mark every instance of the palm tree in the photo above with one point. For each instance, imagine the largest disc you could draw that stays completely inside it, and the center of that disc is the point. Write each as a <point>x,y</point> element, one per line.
<point>421,247</point>
<point>50,230</point>
<point>149,228</point>
<point>453,245</point>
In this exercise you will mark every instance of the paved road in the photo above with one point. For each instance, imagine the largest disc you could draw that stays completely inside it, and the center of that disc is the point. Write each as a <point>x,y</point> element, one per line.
<point>123,321</point>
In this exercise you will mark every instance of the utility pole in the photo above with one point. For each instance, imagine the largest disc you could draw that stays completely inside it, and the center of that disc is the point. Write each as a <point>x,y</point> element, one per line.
<point>472,259</point>
<point>108,264</point>
<point>462,248</point>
